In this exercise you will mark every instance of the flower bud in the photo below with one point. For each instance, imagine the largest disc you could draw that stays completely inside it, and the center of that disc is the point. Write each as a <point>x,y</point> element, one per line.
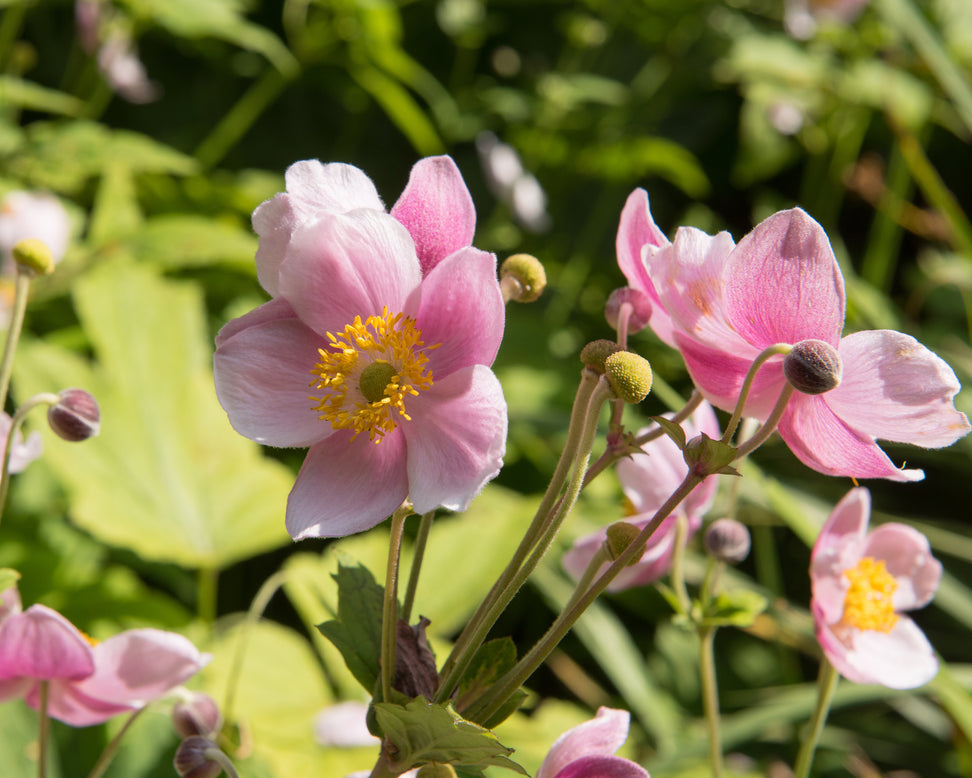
<point>640,308</point>
<point>812,367</point>
<point>76,417</point>
<point>727,540</point>
<point>706,456</point>
<point>629,376</point>
<point>595,352</point>
<point>194,758</point>
<point>197,714</point>
<point>436,771</point>
<point>33,254</point>
<point>620,535</point>
<point>523,278</point>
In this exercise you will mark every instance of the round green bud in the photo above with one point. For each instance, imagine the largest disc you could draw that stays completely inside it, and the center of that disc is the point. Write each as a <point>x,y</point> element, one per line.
<point>436,771</point>
<point>620,535</point>
<point>529,275</point>
<point>629,376</point>
<point>812,367</point>
<point>375,378</point>
<point>34,254</point>
<point>595,352</point>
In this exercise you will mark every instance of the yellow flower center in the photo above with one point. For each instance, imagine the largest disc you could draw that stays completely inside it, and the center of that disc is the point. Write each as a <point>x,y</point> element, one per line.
<point>367,372</point>
<point>868,603</point>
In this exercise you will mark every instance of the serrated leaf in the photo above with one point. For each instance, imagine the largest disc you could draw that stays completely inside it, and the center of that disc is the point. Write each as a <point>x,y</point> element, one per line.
<point>490,662</point>
<point>672,429</point>
<point>423,732</point>
<point>738,608</point>
<point>167,477</point>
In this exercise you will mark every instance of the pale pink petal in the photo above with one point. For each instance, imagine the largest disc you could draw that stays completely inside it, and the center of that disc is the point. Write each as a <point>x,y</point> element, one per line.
<point>278,308</point>
<point>437,210</point>
<point>907,556</point>
<point>601,736</point>
<point>33,215</point>
<point>838,548</point>
<point>9,602</point>
<point>347,486</point>
<point>344,725</point>
<point>457,439</point>
<point>896,389</point>
<point>900,659</point>
<point>14,688</point>
<point>65,703</point>
<point>263,376</point>
<point>602,767</point>
<point>783,284</point>
<point>140,665</point>
<point>825,443</point>
<point>347,265</point>
<point>460,307</point>
<point>274,221</point>
<point>40,643</point>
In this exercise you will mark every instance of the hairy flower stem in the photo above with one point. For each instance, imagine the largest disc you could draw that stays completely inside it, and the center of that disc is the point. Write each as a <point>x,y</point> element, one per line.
<point>217,755</point>
<point>421,540</point>
<point>678,565</point>
<point>46,399</point>
<point>389,614</point>
<point>769,426</point>
<point>43,730</point>
<point>21,289</point>
<point>479,625</point>
<point>826,686</point>
<point>766,354</point>
<point>112,748</point>
<point>710,697</point>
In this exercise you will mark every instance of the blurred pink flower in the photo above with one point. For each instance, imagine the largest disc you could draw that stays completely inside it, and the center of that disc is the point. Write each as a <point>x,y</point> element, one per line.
<point>403,401</point>
<point>123,70</point>
<point>89,682</point>
<point>24,451</point>
<point>32,215</point>
<point>801,17</point>
<point>344,725</point>
<point>862,581</point>
<point>435,208</point>
<point>512,184</point>
<point>588,749</point>
<point>648,480</point>
<point>721,305</point>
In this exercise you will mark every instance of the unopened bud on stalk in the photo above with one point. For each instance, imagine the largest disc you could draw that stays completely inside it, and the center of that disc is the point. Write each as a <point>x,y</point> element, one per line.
<point>35,255</point>
<point>595,352</point>
<point>640,308</point>
<point>436,771</point>
<point>629,376</point>
<point>76,417</point>
<point>620,535</point>
<point>197,714</point>
<point>194,758</point>
<point>522,278</point>
<point>812,367</point>
<point>727,540</point>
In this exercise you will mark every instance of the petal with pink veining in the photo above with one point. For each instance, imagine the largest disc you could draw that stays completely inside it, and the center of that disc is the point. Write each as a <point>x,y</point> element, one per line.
<point>65,703</point>
<point>40,643</point>
<point>437,210</point>
<point>278,308</point>
<point>896,389</point>
<point>783,284</point>
<point>456,440</point>
<point>603,767</point>
<point>601,736</point>
<point>347,486</point>
<point>907,556</point>
<point>263,377</point>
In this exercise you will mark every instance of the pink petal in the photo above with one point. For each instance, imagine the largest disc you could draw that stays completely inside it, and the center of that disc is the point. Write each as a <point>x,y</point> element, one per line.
<point>263,377</point>
<point>274,221</point>
<point>839,547</point>
<point>278,308</point>
<point>456,440</point>
<point>140,665</point>
<point>40,643</point>
<point>907,556</point>
<point>348,265</point>
<point>825,443</point>
<point>9,602</point>
<point>14,688</point>
<point>347,486</point>
<point>896,389</point>
<point>437,210</point>
<point>65,703</point>
<point>783,284</point>
<point>344,725</point>
<point>603,767</point>
<point>900,659</point>
<point>460,306</point>
<point>601,736</point>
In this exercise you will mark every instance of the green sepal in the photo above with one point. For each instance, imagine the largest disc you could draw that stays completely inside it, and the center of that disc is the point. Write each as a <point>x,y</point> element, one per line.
<point>672,429</point>
<point>736,608</point>
<point>706,456</point>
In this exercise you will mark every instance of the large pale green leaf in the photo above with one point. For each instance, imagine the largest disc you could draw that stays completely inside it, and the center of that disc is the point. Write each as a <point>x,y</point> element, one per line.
<point>167,478</point>
<point>34,97</point>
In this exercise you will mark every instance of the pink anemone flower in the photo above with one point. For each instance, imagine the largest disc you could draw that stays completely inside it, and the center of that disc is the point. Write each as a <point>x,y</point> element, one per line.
<point>648,480</point>
<point>381,370</point>
<point>37,215</point>
<point>435,207</point>
<point>862,581</point>
<point>89,682</point>
<point>722,304</point>
<point>588,750</point>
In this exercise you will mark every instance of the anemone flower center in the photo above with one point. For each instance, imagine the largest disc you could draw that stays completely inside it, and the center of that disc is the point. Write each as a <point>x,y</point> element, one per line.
<point>367,371</point>
<point>869,600</point>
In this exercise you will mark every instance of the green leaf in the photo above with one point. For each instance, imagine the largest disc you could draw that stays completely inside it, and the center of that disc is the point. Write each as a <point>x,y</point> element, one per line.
<point>401,108</point>
<point>672,429</point>
<point>357,630</point>
<point>737,608</point>
<point>8,578</point>
<point>167,477</point>
<point>180,241</point>
<point>488,665</point>
<point>16,92</point>
<point>633,159</point>
<point>423,732</point>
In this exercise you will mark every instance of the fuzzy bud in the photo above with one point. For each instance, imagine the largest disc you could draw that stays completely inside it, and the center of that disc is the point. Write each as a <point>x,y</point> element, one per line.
<point>629,376</point>
<point>595,352</point>
<point>727,540</point>
<point>76,417</point>
<point>620,535</point>
<point>34,255</point>
<point>640,308</point>
<point>523,278</point>
<point>194,758</point>
<point>812,367</point>
<point>436,771</point>
<point>197,714</point>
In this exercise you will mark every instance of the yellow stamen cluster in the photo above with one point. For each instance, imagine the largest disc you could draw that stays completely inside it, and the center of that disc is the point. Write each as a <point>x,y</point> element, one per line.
<point>869,600</point>
<point>385,340</point>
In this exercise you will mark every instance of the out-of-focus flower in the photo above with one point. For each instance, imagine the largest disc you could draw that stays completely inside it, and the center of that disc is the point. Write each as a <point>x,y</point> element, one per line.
<point>344,725</point>
<point>648,480</point>
<point>89,682</point>
<point>123,70</point>
<point>403,400</point>
<point>23,451</point>
<point>862,581</point>
<point>511,184</point>
<point>38,215</point>
<point>76,416</point>
<point>786,118</point>
<point>588,749</point>
<point>196,714</point>
<point>721,305</point>
<point>801,17</point>
<point>435,207</point>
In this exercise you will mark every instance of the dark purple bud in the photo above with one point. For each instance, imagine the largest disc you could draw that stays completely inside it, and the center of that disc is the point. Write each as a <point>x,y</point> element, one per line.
<point>727,540</point>
<point>640,308</point>
<point>196,758</point>
<point>198,714</point>
<point>76,417</point>
<point>812,367</point>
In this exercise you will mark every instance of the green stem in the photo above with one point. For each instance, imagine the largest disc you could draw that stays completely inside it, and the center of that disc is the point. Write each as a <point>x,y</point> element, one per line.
<point>216,755</point>
<point>21,288</point>
<point>389,616</point>
<point>112,748</point>
<point>769,426</point>
<point>208,593</point>
<point>11,22</point>
<point>826,686</point>
<point>678,565</point>
<point>45,398</point>
<point>421,540</point>
<point>43,730</point>
<point>710,698</point>
<point>767,353</point>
